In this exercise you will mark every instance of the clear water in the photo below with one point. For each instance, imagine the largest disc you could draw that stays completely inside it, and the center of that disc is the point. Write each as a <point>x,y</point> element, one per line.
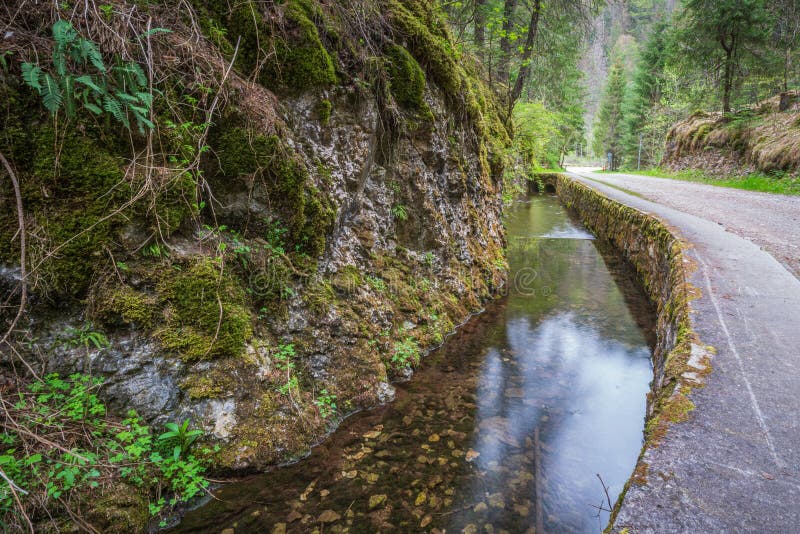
<point>505,428</point>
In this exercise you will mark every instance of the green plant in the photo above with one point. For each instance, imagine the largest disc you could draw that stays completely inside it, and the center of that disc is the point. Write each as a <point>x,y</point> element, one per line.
<point>181,436</point>
<point>121,91</point>
<point>276,237</point>
<point>284,362</point>
<point>326,403</point>
<point>155,250</point>
<point>86,336</point>
<point>429,259</point>
<point>97,451</point>
<point>400,212</point>
<point>378,284</point>
<point>107,10</point>
<point>406,353</point>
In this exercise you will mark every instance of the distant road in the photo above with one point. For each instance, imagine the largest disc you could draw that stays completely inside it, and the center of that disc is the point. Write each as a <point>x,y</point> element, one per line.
<point>770,221</point>
<point>734,465</point>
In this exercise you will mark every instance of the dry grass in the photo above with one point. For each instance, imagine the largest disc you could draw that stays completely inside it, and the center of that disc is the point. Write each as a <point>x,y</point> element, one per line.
<point>763,139</point>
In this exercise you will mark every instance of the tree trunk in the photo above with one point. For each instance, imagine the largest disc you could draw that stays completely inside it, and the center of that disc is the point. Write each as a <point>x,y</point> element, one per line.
<point>503,66</point>
<point>727,83</point>
<point>480,25</point>
<point>527,52</point>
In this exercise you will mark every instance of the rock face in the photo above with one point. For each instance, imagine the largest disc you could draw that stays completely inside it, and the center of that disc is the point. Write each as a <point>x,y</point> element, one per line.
<point>341,223</point>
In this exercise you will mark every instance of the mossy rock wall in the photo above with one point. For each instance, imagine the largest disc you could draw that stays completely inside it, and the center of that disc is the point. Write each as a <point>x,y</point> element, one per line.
<point>341,204</point>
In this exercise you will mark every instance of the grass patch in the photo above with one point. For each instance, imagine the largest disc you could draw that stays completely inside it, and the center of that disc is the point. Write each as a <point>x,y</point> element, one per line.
<point>765,183</point>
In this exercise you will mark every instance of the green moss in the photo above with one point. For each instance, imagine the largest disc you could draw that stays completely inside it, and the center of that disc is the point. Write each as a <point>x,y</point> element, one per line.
<point>302,62</point>
<point>324,108</point>
<point>307,212</point>
<point>347,279</point>
<point>201,387</point>
<point>292,57</point>
<point>205,313</point>
<point>125,304</point>
<point>428,42</point>
<point>75,185</point>
<point>407,81</point>
<point>319,295</point>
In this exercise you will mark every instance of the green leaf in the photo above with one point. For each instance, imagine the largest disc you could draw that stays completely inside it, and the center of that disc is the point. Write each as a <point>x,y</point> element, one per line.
<point>88,81</point>
<point>90,52</point>
<point>31,74</point>
<point>63,32</point>
<point>146,99</point>
<point>51,94</point>
<point>91,107</point>
<point>154,31</point>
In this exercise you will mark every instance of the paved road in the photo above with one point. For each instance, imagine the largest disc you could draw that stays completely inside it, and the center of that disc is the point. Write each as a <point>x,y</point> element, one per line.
<point>734,466</point>
<point>770,221</point>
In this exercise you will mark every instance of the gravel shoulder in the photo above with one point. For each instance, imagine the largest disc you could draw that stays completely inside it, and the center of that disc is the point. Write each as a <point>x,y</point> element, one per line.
<point>770,221</point>
<point>734,465</point>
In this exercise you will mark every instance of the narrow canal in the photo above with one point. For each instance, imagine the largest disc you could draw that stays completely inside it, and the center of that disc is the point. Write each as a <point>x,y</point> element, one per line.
<point>505,428</point>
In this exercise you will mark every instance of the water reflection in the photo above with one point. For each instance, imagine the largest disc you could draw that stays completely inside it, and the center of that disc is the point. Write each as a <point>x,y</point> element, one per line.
<point>505,428</point>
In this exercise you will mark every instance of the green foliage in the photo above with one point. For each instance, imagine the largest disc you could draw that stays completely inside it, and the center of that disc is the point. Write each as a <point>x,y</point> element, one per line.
<point>102,451</point>
<point>722,32</point>
<point>536,135</point>
<point>121,91</point>
<point>284,362</point>
<point>645,93</point>
<point>180,436</point>
<point>400,212</point>
<point>86,337</point>
<point>326,403</point>
<point>378,284</point>
<point>608,128</point>
<point>406,353</point>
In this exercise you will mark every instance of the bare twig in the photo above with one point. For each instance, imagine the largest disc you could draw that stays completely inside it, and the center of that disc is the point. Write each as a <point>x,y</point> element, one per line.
<point>22,243</point>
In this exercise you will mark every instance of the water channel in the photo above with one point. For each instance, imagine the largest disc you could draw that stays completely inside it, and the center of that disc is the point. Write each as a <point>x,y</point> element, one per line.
<point>504,428</point>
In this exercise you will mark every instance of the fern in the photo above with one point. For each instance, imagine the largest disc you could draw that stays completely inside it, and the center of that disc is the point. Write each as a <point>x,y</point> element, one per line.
<point>89,82</point>
<point>63,33</point>
<point>51,94</point>
<point>90,52</point>
<point>31,75</point>
<point>119,92</point>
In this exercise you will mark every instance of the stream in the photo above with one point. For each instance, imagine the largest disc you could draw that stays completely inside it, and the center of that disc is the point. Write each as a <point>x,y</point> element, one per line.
<point>503,429</point>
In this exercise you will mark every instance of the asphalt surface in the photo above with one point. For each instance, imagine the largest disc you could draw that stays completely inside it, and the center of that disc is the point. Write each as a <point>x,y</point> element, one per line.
<point>734,466</point>
<point>768,220</point>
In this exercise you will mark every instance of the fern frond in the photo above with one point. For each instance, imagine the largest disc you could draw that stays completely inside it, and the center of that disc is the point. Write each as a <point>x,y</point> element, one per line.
<point>51,94</point>
<point>90,53</point>
<point>125,97</point>
<point>63,33</point>
<point>32,74</point>
<point>138,74</point>
<point>146,99</point>
<point>154,31</point>
<point>68,88</point>
<point>91,107</point>
<point>88,81</point>
<point>113,106</point>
